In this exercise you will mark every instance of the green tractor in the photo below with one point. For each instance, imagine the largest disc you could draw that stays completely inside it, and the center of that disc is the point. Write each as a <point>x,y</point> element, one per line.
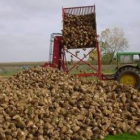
<point>128,69</point>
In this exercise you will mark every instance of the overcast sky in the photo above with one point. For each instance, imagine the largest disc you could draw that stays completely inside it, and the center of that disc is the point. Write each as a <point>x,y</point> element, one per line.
<point>26,25</point>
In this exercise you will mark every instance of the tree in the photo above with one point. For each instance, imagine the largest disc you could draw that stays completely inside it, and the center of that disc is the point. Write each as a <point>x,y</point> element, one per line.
<point>93,57</point>
<point>111,42</point>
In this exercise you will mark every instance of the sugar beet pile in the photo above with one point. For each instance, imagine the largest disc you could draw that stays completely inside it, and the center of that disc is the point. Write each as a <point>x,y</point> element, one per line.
<point>43,104</point>
<point>79,31</point>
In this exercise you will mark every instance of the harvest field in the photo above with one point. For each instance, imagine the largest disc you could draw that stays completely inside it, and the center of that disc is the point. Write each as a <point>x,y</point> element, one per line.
<point>88,88</point>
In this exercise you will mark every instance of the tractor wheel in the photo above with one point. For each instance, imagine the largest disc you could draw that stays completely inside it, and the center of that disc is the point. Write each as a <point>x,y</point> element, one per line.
<point>129,76</point>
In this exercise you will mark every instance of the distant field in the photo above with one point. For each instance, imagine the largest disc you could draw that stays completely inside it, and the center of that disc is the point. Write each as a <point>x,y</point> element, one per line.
<point>87,69</point>
<point>13,64</point>
<point>9,69</point>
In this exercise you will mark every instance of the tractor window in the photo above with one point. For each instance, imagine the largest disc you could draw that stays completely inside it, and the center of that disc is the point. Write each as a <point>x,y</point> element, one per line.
<point>126,59</point>
<point>136,58</point>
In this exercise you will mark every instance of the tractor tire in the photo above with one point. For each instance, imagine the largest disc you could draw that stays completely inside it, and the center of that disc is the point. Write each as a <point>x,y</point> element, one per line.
<point>129,76</point>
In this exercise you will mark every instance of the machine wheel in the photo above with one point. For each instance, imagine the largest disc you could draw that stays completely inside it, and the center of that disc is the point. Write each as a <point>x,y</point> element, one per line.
<point>129,76</point>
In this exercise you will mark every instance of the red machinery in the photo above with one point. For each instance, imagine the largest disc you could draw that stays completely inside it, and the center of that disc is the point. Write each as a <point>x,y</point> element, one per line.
<point>58,52</point>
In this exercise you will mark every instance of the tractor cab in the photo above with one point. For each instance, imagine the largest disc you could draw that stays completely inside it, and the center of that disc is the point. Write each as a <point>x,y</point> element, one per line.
<point>128,59</point>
